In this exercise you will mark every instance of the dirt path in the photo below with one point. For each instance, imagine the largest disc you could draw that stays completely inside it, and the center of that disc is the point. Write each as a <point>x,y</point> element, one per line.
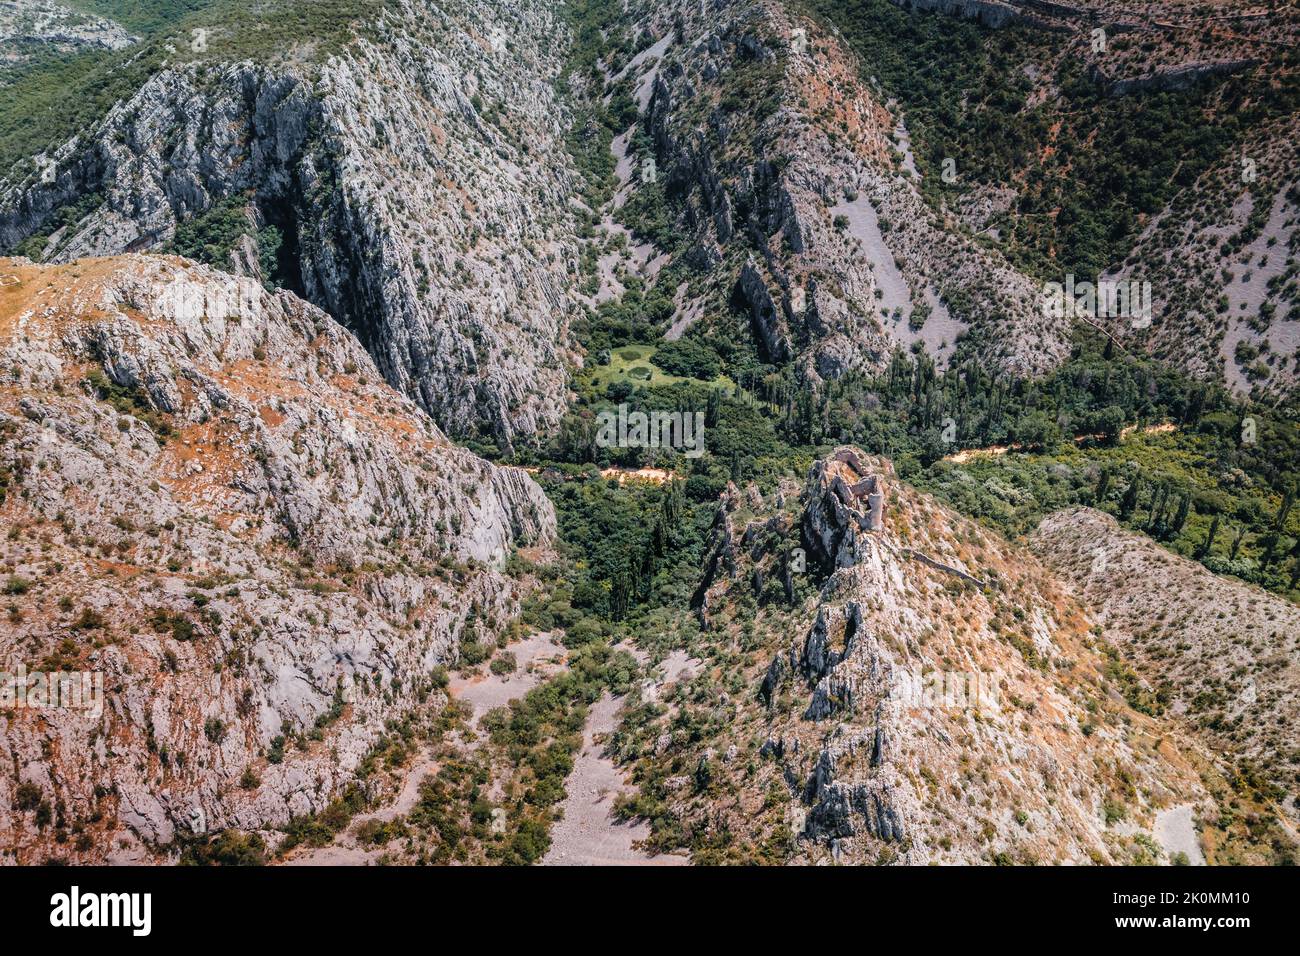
<point>588,835</point>
<point>656,476</point>
<point>996,451</point>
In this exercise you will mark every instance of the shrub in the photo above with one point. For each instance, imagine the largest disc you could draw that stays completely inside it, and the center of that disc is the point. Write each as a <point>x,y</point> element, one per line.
<point>88,620</point>
<point>472,653</point>
<point>27,796</point>
<point>228,848</point>
<point>688,358</point>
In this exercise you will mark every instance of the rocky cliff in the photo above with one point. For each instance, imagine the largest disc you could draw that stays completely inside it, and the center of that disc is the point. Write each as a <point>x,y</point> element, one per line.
<point>794,190</point>
<point>214,502</point>
<point>413,184</point>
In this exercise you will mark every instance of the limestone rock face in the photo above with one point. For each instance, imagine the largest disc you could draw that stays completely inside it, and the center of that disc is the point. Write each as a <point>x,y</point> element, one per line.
<point>217,505</point>
<point>804,206</point>
<point>1176,77</point>
<point>418,182</point>
<point>991,13</point>
<point>817,232</point>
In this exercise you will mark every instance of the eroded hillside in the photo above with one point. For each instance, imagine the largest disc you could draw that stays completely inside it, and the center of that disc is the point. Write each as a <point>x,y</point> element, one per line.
<point>772,180</point>
<point>409,178</point>
<point>212,499</point>
<point>1213,652</point>
<point>1147,142</point>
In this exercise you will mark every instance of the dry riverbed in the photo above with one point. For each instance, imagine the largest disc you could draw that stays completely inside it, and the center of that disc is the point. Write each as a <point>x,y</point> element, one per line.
<point>537,657</point>
<point>589,835</point>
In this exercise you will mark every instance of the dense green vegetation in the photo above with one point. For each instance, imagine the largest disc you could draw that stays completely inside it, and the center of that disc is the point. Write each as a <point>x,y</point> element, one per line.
<point>964,93</point>
<point>1217,488</point>
<point>45,103</point>
<point>688,357</point>
<point>142,16</point>
<point>632,549</point>
<point>211,236</point>
<point>227,848</point>
<point>48,100</point>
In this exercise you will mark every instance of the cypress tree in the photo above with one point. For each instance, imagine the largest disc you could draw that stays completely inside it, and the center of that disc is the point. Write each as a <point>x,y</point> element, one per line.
<point>1180,519</point>
<point>1209,538</point>
<point>1284,509</point>
<point>1103,485</point>
<point>1130,499</point>
<point>1267,558</point>
<point>1157,512</point>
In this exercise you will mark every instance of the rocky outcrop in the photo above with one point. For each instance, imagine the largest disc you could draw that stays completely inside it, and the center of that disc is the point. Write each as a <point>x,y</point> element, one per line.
<point>840,811</point>
<point>720,561</point>
<point>846,500</point>
<point>769,325</point>
<point>25,24</point>
<point>901,716</point>
<point>417,183</point>
<point>991,13</point>
<point>263,551</point>
<point>1178,77</point>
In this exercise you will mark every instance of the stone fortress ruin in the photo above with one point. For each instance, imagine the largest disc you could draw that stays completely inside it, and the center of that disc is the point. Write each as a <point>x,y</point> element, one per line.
<point>854,484</point>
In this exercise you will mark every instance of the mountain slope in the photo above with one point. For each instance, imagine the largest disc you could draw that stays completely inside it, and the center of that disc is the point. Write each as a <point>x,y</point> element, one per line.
<point>216,503</point>
<point>938,697</point>
<point>781,186</point>
<point>33,27</point>
<point>410,180</point>
<point>1152,142</point>
<point>1219,654</point>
